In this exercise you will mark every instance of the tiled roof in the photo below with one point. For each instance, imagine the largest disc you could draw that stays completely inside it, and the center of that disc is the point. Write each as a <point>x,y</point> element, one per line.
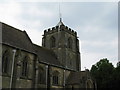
<point>19,39</point>
<point>46,55</point>
<point>76,77</point>
<point>16,38</point>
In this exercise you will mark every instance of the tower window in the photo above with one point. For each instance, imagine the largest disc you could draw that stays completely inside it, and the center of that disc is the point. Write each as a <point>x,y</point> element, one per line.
<point>55,78</point>
<point>70,43</point>
<point>52,42</point>
<point>25,66</point>
<point>5,62</point>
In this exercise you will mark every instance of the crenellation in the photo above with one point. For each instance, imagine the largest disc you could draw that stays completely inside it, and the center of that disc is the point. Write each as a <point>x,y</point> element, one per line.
<point>75,33</point>
<point>66,27</point>
<point>57,27</point>
<point>72,31</point>
<point>62,28</point>
<point>69,29</point>
<point>45,31</point>
<point>48,29</point>
<point>53,28</point>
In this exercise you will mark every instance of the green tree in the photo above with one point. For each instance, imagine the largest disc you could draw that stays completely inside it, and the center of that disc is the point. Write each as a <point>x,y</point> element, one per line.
<point>102,71</point>
<point>116,78</point>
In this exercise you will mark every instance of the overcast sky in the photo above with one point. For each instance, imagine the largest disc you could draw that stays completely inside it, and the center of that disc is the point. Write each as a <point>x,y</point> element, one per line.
<point>95,22</point>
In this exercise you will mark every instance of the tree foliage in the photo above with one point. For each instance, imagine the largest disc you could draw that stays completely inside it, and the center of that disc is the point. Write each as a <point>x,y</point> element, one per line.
<point>106,75</point>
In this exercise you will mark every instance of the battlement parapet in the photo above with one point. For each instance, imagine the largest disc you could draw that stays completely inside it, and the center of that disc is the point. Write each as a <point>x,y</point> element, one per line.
<point>51,30</point>
<point>69,30</point>
<point>60,28</point>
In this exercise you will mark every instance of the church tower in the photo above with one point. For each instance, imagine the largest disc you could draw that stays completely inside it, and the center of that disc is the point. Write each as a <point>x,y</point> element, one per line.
<point>64,42</point>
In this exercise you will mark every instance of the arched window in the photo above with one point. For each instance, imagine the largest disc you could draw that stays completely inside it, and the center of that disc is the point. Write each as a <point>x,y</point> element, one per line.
<point>69,43</point>
<point>25,66</point>
<point>41,76</point>
<point>52,42</point>
<point>5,62</point>
<point>89,84</point>
<point>55,78</point>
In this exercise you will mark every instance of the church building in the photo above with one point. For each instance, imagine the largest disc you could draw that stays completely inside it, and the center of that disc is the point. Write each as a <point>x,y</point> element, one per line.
<point>55,64</point>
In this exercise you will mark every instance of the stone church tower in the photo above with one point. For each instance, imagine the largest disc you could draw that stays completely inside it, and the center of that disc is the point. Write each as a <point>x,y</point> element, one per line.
<point>54,65</point>
<point>64,42</point>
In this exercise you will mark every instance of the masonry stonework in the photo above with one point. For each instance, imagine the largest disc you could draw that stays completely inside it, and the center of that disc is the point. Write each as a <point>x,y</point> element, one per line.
<point>55,64</point>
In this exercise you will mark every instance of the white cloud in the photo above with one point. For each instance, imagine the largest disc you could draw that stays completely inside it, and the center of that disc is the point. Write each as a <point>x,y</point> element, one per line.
<point>95,30</point>
<point>38,12</point>
<point>9,13</point>
<point>90,58</point>
<point>112,44</point>
<point>36,36</point>
<point>108,50</point>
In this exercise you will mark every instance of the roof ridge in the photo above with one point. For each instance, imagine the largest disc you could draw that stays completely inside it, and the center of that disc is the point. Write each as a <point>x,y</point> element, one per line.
<point>13,27</point>
<point>16,37</point>
<point>27,36</point>
<point>43,47</point>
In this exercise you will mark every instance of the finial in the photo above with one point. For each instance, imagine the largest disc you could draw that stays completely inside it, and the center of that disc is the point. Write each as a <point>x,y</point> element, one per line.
<point>60,19</point>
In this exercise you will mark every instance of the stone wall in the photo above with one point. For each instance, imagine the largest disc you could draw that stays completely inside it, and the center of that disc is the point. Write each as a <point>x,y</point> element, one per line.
<point>19,81</point>
<point>69,57</point>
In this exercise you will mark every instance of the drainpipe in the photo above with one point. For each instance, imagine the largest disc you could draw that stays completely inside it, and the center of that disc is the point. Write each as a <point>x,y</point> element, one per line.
<point>36,73</point>
<point>46,75</point>
<point>14,52</point>
<point>64,79</point>
<point>95,86</point>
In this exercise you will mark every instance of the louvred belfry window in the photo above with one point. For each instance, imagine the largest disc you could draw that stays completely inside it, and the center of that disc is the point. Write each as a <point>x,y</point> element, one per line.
<point>69,43</point>
<point>52,42</point>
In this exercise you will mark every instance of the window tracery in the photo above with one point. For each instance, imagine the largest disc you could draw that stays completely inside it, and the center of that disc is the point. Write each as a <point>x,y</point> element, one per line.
<point>52,42</point>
